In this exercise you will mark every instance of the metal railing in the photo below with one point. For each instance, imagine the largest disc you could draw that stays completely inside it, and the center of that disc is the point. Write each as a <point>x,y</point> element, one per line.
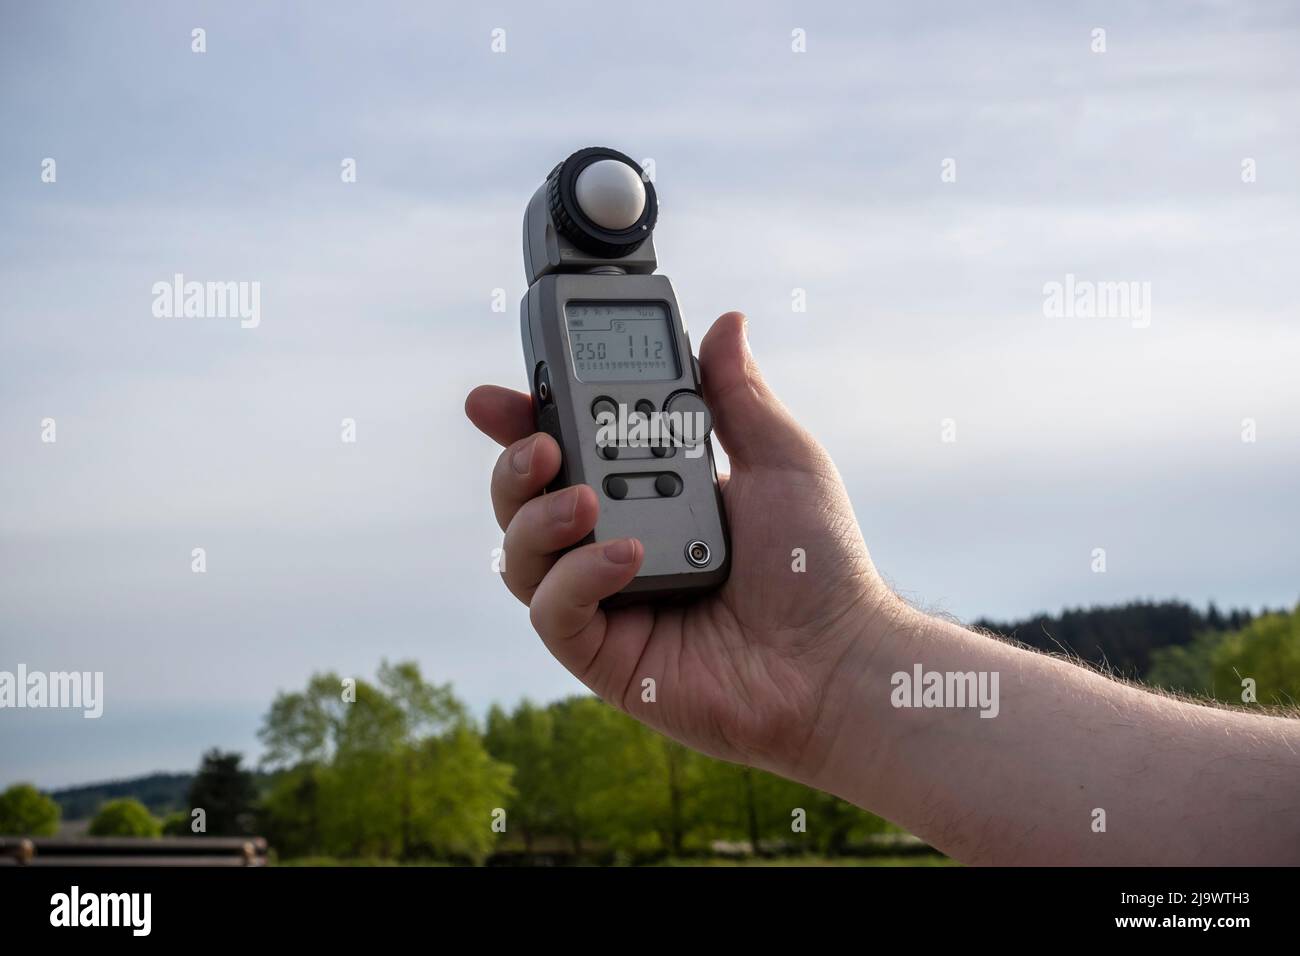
<point>133,851</point>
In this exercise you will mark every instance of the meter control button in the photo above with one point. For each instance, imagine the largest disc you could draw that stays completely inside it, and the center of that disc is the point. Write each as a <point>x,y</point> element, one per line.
<point>668,485</point>
<point>616,487</point>
<point>688,418</point>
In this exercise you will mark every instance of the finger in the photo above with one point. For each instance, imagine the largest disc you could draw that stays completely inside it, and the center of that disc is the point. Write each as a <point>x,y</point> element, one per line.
<point>750,421</point>
<point>502,414</point>
<point>521,473</point>
<point>566,605</point>
<point>540,530</point>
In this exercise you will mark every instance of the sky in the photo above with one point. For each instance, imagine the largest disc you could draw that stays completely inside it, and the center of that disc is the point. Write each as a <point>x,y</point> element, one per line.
<point>922,172</point>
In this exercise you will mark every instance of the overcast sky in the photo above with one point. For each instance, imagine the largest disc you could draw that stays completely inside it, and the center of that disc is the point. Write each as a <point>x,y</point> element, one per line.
<point>777,171</point>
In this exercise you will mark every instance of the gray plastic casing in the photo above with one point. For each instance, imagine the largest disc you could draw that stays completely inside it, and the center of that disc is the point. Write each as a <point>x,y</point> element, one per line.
<point>664,525</point>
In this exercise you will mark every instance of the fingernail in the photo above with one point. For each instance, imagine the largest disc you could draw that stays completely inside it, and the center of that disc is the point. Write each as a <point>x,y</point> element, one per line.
<point>622,551</point>
<point>523,458</point>
<point>563,504</point>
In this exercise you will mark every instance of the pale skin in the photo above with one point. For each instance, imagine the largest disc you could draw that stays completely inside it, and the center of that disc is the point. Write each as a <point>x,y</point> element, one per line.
<point>791,672</point>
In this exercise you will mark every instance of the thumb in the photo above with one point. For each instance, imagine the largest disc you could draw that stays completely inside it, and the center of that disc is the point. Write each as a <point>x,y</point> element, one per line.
<point>750,421</point>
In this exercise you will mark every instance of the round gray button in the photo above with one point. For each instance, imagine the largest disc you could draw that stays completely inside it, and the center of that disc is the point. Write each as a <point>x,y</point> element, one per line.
<point>688,418</point>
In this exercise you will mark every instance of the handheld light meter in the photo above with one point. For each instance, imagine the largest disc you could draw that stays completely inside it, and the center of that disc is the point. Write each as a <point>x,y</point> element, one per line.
<point>613,378</point>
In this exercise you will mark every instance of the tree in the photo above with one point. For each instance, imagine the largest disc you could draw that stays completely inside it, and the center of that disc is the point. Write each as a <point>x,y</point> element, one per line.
<point>677,763</point>
<point>1267,652</point>
<point>126,817</point>
<point>422,709</point>
<point>300,727</point>
<point>609,785</point>
<point>605,775</point>
<point>393,769</point>
<point>457,787</point>
<point>526,740</point>
<point>292,811</point>
<point>226,793</point>
<point>1188,668</point>
<point>25,811</point>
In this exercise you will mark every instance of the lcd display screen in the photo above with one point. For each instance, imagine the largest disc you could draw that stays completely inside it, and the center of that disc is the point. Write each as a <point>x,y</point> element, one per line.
<point>621,341</point>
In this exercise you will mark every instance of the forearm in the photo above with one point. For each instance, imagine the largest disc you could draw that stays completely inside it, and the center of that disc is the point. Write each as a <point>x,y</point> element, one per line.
<point>1177,783</point>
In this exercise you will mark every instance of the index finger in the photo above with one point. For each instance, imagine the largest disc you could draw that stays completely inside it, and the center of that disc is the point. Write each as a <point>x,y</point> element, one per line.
<point>503,414</point>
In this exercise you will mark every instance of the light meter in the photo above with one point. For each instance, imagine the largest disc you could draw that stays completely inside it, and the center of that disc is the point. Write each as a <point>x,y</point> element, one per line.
<point>613,378</point>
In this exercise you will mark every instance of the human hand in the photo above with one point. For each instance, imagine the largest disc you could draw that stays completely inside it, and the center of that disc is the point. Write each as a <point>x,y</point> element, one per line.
<point>757,672</point>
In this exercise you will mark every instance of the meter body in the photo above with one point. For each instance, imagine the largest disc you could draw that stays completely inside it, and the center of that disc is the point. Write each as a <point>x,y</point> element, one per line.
<point>612,374</point>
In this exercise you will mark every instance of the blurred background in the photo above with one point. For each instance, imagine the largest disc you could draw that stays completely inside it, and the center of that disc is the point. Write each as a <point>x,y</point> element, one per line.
<point>885,190</point>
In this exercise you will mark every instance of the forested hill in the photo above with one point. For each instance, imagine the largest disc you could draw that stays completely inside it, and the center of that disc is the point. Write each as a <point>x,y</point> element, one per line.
<point>162,793</point>
<point>1120,638</point>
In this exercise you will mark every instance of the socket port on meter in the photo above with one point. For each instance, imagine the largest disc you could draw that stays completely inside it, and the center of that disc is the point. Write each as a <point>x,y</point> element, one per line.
<point>697,552</point>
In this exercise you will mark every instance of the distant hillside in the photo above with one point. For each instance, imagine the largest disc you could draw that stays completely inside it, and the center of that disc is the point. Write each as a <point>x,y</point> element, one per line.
<point>1120,638</point>
<point>162,793</point>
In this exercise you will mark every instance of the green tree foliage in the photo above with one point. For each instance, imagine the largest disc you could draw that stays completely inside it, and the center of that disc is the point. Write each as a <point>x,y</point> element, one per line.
<point>226,793</point>
<point>125,817</point>
<point>608,786</point>
<point>524,740</point>
<point>1266,652</point>
<point>602,783</point>
<point>740,804</point>
<point>458,786</point>
<point>25,811</point>
<point>1187,668</point>
<point>397,772</point>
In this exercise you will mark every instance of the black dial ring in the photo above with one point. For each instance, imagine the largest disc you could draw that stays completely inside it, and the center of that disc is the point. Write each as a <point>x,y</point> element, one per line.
<point>573,223</point>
